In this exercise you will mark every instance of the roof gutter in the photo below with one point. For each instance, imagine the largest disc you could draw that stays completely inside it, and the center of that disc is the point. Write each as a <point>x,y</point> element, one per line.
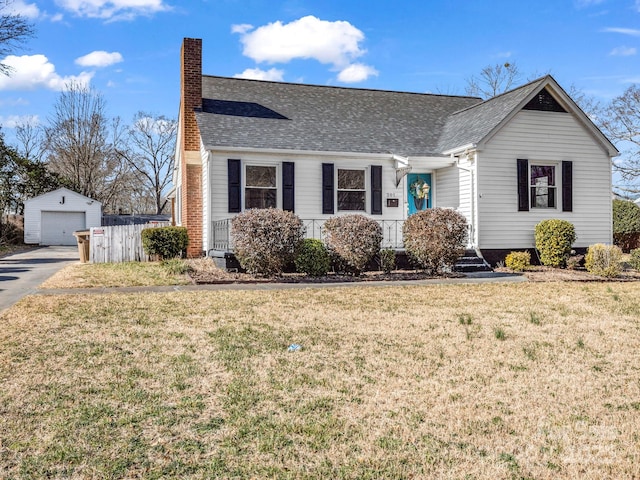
<point>469,146</point>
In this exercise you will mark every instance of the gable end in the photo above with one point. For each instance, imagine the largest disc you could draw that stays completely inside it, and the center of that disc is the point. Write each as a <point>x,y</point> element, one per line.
<point>544,102</point>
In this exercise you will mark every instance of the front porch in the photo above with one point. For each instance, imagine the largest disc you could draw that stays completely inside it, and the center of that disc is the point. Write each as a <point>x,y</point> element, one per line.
<point>222,243</point>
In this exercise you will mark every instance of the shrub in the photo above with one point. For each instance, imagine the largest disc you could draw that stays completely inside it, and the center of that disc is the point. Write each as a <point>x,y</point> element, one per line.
<point>604,260</point>
<point>575,261</point>
<point>553,240</point>
<point>352,240</point>
<point>312,258</point>
<point>387,260</point>
<point>626,224</point>
<point>165,242</point>
<point>266,240</point>
<point>634,261</point>
<point>518,261</point>
<point>435,238</point>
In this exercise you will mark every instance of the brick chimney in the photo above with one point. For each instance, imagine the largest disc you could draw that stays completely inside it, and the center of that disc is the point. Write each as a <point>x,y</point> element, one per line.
<point>191,166</point>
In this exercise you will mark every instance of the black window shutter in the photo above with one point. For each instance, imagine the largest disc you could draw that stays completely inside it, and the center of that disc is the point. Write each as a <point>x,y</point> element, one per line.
<point>235,185</point>
<point>523,185</point>
<point>376,190</point>
<point>567,186</point>
<point>288,186</point>
<point>327,188</point>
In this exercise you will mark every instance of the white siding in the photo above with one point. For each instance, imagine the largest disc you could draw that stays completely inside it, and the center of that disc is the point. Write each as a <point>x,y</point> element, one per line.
<point>542,137</point>
<point>308,184</point>
<point>53,202</point>
<point>206,211</point>
<point>447,187</point>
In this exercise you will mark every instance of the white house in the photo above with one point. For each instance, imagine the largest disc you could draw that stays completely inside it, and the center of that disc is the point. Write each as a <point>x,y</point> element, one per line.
<point>505,163</point>
<point>51,218</point>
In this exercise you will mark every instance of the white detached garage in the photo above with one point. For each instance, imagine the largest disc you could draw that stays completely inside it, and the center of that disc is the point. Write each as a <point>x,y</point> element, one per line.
<point>51,218</point>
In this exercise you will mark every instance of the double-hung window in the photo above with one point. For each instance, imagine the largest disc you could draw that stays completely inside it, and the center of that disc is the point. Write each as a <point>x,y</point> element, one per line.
<point>261,187</point>
<point>543,186</point>
<point>351,189</point>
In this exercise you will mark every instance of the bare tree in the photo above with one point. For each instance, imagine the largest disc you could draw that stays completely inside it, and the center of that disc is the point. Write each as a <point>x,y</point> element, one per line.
<point>82,142</point>
<point>31,141</point>
<point>621,122</point>
<point>587,103</point>
<point>493,80</point>
<point>149,152</point>
<point>15,30</point>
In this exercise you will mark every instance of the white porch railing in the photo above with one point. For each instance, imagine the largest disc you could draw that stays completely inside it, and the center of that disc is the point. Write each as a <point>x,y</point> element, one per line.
<point>391,233</point>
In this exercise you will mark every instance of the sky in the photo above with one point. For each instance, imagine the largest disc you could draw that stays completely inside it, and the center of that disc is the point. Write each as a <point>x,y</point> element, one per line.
<point>128,50</point>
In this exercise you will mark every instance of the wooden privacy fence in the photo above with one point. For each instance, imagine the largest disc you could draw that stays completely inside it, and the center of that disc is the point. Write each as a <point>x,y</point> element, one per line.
<point>122,243</point>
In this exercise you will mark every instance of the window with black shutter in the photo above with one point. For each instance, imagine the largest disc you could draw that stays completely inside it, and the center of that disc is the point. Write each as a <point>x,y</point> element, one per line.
<point>327,188</point>
<point>234,185</point>
<point>376,190</point>
<point>288,186</point>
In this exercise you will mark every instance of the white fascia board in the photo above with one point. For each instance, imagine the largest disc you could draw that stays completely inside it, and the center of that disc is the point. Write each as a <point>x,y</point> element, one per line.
<point>298,153</point>
<point>461,149</point>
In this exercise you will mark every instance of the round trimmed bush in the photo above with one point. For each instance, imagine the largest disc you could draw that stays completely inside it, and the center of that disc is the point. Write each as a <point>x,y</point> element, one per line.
<point>352,240</point>
<point>518,261</point>
<point>604,260</point>
<point>266,240</point>
<point>626,224</point>
<point>435,238</point>
<point>312,258</point>
<point>554,239</point>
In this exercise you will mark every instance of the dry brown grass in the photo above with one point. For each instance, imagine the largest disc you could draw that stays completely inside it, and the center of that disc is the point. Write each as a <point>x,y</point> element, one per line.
<point>127,274</point>
<point>536,380</point>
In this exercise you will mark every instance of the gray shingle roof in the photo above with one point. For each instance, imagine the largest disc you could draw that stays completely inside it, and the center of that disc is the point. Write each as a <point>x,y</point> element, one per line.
<point>255,114</point>
<point>473,124</point>
<point>273,115</point>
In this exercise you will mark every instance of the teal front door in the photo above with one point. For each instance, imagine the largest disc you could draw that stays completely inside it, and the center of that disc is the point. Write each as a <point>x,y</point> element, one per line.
<point>419,192</point>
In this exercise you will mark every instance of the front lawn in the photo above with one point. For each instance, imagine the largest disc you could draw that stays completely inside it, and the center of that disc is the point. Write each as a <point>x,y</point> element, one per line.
<point>534,380</point>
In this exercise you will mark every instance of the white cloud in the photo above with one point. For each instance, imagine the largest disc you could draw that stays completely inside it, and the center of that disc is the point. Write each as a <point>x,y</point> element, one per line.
<point>36,71</point>
<point>625,31</point>
<point>28,10</point>
<point>623,51</point>
<point>242,28</point>
<point>335,43</point>
<point>99,58</point>
<point>272,74</point>
<point>12,121</point>
<point>113,10</point>
<point>357,72</point>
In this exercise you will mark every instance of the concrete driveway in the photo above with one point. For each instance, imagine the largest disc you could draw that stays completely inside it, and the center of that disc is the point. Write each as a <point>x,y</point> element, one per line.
<point>22,273</point>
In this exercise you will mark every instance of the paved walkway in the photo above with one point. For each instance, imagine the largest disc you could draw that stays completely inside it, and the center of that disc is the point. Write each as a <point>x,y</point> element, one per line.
<point>22,273</point>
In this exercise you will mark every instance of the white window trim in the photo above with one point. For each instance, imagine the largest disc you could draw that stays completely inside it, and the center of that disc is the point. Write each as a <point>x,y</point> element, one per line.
<point>556,187</point>
<point>367,189</point>
<point>278,187</point>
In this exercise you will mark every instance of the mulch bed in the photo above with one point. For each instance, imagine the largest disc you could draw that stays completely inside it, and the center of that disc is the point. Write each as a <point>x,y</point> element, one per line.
<point>230,277</point>
<point>549,274</point>
<point>205,272</point>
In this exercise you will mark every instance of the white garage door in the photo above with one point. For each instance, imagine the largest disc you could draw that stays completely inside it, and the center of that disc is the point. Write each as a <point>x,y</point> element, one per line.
<point>58,227</point>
